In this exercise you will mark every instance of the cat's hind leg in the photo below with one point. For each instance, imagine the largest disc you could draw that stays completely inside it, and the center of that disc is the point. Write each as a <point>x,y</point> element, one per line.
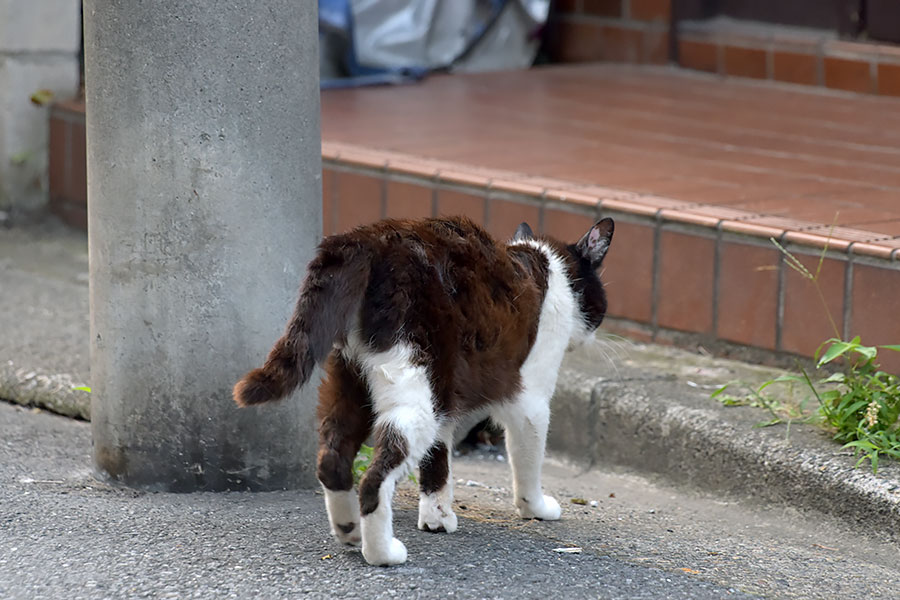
<point>526,421</point>
<point>345,421</point>
<point>436,482</point>
<point>405,428</point>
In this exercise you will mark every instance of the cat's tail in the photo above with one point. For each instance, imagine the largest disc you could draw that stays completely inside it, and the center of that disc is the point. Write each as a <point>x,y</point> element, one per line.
<point>329,298</point>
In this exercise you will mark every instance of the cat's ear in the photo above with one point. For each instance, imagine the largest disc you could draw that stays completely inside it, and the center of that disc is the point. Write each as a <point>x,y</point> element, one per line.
<point>594,244</point>
<point>523,232</point>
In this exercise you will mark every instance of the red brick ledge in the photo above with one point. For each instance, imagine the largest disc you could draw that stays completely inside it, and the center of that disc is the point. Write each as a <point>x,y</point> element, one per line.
<point>681,270</point>
<point>804,233</point>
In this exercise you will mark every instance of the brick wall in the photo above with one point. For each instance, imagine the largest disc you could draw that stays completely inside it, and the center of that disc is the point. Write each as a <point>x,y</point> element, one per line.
<point>676,276</point>
<point>68,163</point>
<point>638,32</point>
<point>789,55</point>
<point>627,31</point>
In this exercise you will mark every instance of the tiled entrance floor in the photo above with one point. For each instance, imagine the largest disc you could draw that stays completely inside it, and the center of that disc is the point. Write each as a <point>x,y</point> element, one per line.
<point>698,171</point>
<point>782,157</point>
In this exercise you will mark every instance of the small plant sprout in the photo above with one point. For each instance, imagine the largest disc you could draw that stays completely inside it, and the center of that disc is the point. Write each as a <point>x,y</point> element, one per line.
<point>42,97</point>
<point>363,460</point>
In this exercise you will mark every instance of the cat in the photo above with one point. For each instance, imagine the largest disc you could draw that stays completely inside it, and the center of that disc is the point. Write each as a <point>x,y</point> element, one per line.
<point>420,323</point>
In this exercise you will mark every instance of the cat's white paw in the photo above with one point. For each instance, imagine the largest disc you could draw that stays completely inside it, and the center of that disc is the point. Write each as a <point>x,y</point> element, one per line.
<point>343,515</point>
<point>545,508</point>
<point>393,554</point>
<point>435,515</point>
<point>347,533</point>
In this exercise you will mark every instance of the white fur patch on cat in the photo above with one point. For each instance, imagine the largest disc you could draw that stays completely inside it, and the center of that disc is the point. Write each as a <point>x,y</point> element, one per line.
<point>402,399</point>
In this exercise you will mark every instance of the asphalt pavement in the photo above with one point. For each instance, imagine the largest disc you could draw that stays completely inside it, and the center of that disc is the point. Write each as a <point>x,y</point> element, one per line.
<point>684,498</point>
<point>66,535</point>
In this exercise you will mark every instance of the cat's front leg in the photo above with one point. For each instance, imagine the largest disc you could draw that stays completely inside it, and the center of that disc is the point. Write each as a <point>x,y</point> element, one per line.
<point>526,422</point>
<point>436,494</point>
<point>542,507</point>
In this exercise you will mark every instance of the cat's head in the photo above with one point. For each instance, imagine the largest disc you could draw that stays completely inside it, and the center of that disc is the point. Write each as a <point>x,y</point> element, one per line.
<point>584,260</point>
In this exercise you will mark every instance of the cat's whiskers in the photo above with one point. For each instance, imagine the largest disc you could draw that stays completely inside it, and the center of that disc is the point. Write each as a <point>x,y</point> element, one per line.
<point>603,352</point>
<point>616,343</point>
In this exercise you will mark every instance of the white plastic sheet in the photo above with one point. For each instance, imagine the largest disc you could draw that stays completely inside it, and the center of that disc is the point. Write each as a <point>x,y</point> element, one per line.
<point>439,33</point>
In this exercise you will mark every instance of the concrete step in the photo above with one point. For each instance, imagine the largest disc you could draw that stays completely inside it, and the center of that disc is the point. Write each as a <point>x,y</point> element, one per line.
<point>647,408</point>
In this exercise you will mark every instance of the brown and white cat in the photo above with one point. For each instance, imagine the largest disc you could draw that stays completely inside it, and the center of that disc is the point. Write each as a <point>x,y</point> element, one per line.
<point>421,323</point>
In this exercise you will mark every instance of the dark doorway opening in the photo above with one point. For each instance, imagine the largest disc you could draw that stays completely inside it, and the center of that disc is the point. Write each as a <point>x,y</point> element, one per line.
<point>877,20</point>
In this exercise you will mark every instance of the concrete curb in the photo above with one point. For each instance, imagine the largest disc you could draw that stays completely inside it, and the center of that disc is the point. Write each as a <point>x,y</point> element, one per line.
<point>53,392</point>
<point>667,427</point>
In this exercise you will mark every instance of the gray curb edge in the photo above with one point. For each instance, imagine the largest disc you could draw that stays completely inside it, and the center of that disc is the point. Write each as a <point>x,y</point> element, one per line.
<point>53,392</point>
<point>663,427</point>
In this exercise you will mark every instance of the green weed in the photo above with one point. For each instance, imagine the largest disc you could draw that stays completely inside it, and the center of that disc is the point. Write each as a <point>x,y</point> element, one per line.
<point>863,402</point>
<point>782,410</point>
<point>361,462</point>
<point>364,459</point>
<point>860,404</point>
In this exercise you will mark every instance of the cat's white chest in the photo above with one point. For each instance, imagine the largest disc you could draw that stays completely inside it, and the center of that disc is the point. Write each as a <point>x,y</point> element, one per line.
<point>558,322</point>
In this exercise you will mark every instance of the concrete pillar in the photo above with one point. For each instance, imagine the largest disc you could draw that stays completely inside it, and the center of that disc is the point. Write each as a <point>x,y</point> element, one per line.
<point>39,45</point>
<point>204,206</point>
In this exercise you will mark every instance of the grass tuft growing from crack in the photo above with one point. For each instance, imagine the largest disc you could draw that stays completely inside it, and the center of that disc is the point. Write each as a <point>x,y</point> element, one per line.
<point>860,403</point>
<point>863,402</point>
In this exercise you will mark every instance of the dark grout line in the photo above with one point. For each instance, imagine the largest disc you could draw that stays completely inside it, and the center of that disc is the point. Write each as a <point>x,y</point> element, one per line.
<point>434,200</point>
<point>820,64</point>
<point>873,77</point>
<point>383,181</point>
<point>717,270</point>
<point>848,293</point>
<point>654,288</point>
<point>780,296</point>
<point>541,206</point>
